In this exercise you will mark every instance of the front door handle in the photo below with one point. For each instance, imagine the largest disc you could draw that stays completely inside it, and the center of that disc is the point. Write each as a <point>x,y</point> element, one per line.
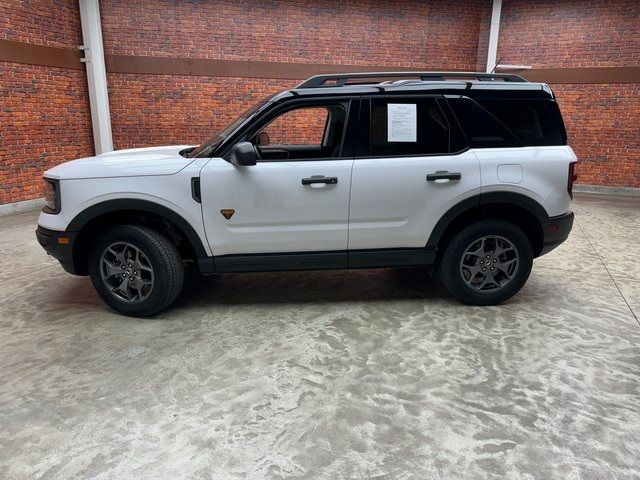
<point>432,177</point>
<point>320,179</point>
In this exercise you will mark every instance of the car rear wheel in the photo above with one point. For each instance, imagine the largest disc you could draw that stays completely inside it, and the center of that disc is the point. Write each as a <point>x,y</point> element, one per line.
<point>135,270</point>
<point>487,262</point>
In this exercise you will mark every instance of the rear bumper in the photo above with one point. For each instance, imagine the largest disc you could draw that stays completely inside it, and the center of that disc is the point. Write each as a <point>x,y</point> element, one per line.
<point>59,245</point>
<point>555,230</point>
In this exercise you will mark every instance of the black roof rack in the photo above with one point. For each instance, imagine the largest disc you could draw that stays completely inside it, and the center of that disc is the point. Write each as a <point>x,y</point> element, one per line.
<point>342,79</point>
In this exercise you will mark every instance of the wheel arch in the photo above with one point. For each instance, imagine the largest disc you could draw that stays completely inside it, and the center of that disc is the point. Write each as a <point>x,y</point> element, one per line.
<point>100,216</point>
<point>515,207</point>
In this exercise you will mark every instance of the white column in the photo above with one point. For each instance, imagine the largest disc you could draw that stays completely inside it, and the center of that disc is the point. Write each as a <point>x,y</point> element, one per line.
<point>493,35</point>
<point>96,75</point>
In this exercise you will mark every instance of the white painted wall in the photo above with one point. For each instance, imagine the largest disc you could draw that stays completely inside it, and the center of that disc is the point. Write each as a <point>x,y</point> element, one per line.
<point>96,75</point>
<point>493,35</point>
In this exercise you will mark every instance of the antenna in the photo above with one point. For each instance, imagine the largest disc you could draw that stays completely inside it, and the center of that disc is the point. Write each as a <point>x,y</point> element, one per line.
<point>496,65</point>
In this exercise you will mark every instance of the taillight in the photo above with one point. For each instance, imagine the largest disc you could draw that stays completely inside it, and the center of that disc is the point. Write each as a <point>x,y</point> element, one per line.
<point>573,176</point>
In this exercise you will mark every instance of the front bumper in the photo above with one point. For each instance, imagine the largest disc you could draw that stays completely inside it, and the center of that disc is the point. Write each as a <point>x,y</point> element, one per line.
<point>59,245</point>
<point>555,230</point>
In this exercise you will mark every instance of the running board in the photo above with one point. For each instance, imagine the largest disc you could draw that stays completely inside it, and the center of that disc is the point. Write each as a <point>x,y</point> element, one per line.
<point>375,258</point>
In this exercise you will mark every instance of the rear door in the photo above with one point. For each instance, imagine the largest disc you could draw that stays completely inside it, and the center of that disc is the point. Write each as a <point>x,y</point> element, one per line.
<point>412,164</point>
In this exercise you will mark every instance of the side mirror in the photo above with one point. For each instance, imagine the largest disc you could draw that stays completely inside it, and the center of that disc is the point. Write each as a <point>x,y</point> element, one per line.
<point>263,139</point>
<point>244,154</point>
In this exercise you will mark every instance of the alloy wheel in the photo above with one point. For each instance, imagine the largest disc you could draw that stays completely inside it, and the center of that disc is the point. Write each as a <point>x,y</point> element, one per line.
<point>126,272</point>
<point>489,263</point>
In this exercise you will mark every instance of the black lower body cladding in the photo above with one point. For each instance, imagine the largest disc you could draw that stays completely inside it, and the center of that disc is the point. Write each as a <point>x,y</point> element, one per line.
<point>59,245</point>
<point>555,230</point>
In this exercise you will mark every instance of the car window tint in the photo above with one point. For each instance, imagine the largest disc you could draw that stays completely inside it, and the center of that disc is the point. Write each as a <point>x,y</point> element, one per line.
<point>418,127</point>
<point>533,121</point>
<point>481,128</point>
<point>302,126</point>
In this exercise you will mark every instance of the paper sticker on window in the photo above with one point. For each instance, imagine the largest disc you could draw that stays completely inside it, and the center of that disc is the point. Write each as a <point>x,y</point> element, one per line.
<point>401,122</point>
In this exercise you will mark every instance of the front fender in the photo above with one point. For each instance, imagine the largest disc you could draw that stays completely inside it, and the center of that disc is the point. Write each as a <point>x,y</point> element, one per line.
<point>123,204</point>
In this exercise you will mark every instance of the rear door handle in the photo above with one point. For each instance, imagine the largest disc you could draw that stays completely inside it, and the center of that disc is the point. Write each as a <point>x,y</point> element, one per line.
<point>432,177</point>
<point>320,179</point>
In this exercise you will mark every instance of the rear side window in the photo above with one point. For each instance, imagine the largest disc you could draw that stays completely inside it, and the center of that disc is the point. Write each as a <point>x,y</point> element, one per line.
<point>408,126</point>
<point>535,122</point>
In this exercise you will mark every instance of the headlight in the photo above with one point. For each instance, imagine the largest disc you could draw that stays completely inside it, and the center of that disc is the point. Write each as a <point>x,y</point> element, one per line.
<point>51,196</point>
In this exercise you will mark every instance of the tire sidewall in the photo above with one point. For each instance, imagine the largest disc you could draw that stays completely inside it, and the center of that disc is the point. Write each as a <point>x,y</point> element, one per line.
<point>450,265</point>
<point>162,287</point>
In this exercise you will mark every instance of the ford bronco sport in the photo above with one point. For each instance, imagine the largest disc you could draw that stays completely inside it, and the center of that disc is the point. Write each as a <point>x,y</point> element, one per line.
<point>467,172</point>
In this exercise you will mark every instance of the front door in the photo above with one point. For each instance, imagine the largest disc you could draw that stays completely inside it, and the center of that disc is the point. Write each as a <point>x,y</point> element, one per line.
<point>295,199</point>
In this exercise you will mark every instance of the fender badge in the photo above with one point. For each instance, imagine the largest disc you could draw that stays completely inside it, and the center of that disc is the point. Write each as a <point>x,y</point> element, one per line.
<point>227,212</point>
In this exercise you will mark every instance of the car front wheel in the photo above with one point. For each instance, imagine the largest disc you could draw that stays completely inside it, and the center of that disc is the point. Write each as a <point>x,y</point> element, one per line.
<point>135,270</point>
<point>487,262</point>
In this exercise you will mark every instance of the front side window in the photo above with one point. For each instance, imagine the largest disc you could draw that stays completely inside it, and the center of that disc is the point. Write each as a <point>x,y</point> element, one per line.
<point>408,126</point>
<point>302,126</point>
<point>303,133</point>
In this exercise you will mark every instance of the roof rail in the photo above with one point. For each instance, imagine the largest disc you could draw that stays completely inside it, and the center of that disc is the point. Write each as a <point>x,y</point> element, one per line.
<point>342,79</point>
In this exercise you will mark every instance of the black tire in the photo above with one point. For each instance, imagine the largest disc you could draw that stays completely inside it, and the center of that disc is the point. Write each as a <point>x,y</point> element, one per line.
<point>451,272</point>
<point>161,255</point>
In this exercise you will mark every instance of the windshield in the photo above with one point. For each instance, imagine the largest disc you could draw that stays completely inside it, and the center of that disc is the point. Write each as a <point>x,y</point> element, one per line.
<point>210,146</point>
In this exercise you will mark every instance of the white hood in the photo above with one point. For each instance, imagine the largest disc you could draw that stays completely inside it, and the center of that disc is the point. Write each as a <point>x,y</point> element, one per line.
<point>124,163</point>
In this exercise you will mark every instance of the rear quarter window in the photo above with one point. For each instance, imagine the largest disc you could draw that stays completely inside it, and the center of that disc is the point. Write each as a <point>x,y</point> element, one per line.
<point>482,129</point>
<point>508,122</point>
<point>535,122</point>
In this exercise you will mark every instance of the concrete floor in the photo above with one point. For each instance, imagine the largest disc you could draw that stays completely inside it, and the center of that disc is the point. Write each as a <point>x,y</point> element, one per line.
<point>364,374</point>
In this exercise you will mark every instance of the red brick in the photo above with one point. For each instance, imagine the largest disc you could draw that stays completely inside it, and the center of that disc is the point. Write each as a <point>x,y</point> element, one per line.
<point>44,113</point>
<point>603,121</point>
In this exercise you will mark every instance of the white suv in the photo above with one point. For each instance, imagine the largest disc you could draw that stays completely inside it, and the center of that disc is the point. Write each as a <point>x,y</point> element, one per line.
<point>468,172</point>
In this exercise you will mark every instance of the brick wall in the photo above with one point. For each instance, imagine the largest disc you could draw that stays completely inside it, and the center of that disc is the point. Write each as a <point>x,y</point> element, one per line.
<point>550,33</point>
<point>483,36</point>
<point>170,109</point>
<point>44,121</point>
<point>379,32</point>
<point>560,33</point>
<point>603,121</point>
<point>156,109</point>
<point>603,125</point>
<point>44,111</point>
<point>41,22</point>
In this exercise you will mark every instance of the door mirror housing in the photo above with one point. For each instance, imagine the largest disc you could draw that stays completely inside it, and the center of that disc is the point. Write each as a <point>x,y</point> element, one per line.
<point>243,154</point>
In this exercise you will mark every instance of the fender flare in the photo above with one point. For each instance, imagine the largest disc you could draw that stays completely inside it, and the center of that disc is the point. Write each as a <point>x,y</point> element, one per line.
<point>109,206</point>
<point>483,199</point>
